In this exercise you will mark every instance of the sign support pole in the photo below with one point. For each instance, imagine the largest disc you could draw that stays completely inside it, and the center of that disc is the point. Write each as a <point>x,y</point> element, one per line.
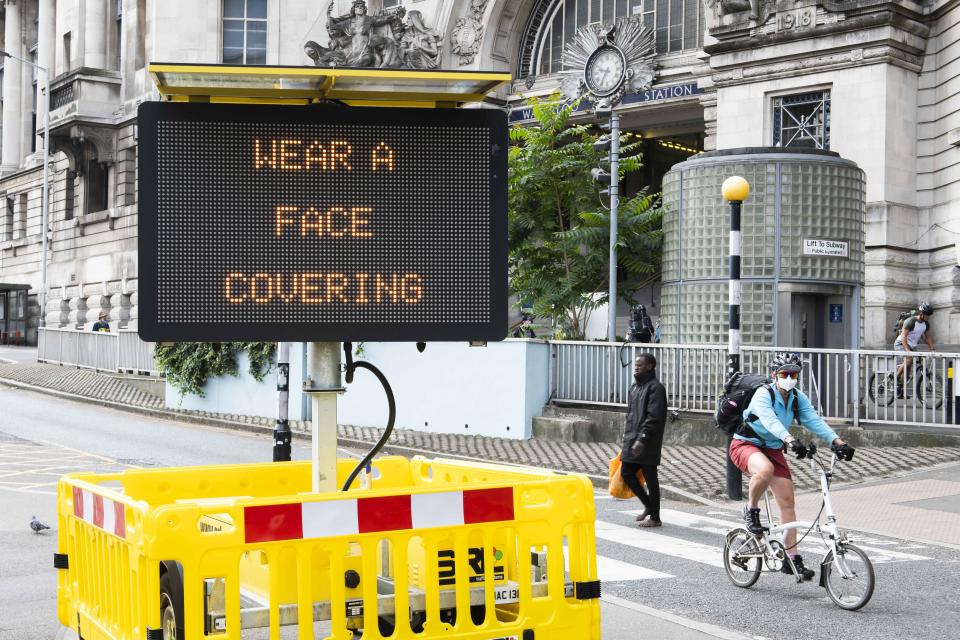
<point>324,385</point>
<point>282,437</point>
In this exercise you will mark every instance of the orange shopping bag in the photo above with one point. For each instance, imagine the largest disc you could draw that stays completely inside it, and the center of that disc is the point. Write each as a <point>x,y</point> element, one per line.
<point>619,489</point>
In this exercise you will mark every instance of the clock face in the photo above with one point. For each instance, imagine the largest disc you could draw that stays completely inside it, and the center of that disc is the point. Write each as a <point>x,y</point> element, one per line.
<point>604,71</point>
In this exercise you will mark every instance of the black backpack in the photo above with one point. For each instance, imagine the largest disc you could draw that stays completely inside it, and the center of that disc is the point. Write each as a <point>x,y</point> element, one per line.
<point>737,395</point>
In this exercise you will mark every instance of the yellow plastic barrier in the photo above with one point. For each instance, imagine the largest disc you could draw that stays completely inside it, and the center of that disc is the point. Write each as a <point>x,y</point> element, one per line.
<point>431,549</point>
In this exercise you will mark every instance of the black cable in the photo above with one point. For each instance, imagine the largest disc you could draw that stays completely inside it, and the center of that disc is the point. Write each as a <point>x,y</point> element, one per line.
<point>807,532</point>
<point>620,354</point>
<point>823,503</point>
<point>391,403</point>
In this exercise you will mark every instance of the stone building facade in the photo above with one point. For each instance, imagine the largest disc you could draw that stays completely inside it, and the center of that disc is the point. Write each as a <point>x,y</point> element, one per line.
<point>877,81</point>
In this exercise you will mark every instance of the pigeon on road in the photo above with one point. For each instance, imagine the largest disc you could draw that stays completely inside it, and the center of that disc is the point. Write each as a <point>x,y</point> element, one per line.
<point>38,525</point>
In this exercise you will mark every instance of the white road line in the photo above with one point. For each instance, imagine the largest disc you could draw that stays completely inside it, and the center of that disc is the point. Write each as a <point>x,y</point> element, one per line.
<point>611,570</point>
<point>720,527</point>
<point>658,543</point>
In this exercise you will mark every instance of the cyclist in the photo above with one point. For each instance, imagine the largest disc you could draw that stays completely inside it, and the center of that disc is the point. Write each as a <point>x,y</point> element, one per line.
<point>757,449</point>
<point>915,327</point>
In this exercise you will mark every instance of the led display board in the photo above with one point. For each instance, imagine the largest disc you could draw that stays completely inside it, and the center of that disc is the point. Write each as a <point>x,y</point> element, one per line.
<point>321,223</point>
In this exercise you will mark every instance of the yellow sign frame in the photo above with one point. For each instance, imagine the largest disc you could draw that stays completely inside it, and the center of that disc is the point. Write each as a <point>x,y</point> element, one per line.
<point>304,85</point>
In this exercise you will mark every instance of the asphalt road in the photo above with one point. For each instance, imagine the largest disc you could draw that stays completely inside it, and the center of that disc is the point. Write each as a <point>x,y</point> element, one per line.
<point>661,584</point>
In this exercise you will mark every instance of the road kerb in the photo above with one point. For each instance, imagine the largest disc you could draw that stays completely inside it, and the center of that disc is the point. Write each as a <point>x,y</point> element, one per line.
<point>702,627</point>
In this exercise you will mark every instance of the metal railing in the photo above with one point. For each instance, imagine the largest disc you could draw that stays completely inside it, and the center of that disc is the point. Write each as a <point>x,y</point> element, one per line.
<point>601,373</point>
<point>845,386</point>
<point>100,351</point>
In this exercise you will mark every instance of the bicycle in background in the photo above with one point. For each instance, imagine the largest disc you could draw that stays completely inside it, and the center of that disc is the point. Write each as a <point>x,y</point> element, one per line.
<point>922,377</point>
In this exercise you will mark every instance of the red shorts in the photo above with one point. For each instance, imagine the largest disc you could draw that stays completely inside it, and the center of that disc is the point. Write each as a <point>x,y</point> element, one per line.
<point>741,450</point>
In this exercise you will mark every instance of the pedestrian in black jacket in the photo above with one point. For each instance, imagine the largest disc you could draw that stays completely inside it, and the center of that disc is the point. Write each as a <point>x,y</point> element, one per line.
<point>643,437</point>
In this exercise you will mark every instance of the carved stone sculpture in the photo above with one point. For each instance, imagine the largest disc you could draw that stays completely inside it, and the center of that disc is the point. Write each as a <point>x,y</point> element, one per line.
<point>382,41</point>
<point>420,44</point>
<point>468,33</point>
<point>723,7</point>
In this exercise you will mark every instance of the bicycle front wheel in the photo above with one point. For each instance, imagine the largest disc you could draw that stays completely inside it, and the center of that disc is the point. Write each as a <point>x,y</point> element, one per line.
<point>742,558</point>
<point>930,389</point>
<point>848,577</point>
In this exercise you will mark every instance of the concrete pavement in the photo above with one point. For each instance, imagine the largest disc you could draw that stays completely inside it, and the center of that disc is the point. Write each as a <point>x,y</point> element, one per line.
<point>697,470</point>
<point>664,583</point>
<point>42,438</point>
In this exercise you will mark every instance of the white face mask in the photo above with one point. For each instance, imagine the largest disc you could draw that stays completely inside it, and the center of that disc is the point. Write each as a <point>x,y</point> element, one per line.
<point>786,383</point>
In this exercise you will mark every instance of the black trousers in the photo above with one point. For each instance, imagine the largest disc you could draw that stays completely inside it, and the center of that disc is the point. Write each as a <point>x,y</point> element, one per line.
<point>650,497</point>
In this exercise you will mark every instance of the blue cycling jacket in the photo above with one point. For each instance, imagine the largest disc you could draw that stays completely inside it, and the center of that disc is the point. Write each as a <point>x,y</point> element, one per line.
<point>773,419</point>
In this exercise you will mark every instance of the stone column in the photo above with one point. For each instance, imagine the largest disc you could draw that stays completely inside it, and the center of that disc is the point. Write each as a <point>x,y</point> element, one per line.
<point>95,35</point>
<point>134,322</point>
<point>12,78</point>
<point>46,52</point>
<point>119,310</point>
<point>58,313</point>
<point>77,316</point>
<point>709,103</point>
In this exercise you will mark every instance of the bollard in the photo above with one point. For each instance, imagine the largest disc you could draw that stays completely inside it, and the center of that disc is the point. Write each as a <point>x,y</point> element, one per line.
<point>735,190</point>
<point>955,393</point>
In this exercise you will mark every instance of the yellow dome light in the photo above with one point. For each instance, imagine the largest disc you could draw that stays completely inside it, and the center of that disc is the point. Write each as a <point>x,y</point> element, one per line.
<point>735,188</point>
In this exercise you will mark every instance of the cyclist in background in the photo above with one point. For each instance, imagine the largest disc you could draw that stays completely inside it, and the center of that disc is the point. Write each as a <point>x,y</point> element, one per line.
<point>915,327</point>
<point>757,449</point>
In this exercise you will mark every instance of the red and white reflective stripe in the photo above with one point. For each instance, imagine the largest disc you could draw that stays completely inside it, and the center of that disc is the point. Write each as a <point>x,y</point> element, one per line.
<point>376,514</point>
<point>99,511</point>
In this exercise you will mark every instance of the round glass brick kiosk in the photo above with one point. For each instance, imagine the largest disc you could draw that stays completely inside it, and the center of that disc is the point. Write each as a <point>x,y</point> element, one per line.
<point>802,263</point>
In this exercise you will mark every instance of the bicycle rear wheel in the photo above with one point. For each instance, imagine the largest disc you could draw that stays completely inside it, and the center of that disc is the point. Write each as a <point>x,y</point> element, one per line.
<point>742,558</point>
<point>849,577</point>
<point>883,388</point>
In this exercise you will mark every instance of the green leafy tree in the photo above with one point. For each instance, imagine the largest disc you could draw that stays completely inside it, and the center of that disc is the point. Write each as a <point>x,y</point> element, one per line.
<point>559,222</point>
<point>188,365</point>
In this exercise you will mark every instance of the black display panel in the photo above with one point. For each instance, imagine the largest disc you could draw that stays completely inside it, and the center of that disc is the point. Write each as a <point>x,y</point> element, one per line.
<point>321,223</point>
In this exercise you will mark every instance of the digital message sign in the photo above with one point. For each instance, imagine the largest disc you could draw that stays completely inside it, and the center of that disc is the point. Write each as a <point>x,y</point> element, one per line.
<point>321,223</point>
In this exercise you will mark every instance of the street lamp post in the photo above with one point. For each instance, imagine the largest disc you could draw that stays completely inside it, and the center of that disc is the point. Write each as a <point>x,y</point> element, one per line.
<point>735,190</point>
<point>45,196</point>
<point>614,209</point>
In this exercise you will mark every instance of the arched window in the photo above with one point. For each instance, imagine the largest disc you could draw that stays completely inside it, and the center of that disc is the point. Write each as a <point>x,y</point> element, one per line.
<point>678,25</point>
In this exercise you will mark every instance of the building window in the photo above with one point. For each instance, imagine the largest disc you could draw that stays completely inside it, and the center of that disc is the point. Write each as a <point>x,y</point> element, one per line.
<point>677,24</point>
<point>8,220</point>
<point>140,59</point>
<point>390,4</point>
<point>67,57</point>
<point>802,120</point>
<point>70,188</point>
<point>95,187</point>
<point>245,31</point>
<point>118,32</point>
<point>33,101</point>
<point>21,230</point>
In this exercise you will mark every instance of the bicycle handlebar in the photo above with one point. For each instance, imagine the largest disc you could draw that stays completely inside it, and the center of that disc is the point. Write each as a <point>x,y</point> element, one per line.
<point>814,461</point>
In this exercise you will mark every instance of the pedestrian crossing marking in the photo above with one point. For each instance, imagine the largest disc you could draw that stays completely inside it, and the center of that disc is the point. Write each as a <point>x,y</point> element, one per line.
<point>659,543</point>
<point>720,527</point>
<point>612,570</point>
